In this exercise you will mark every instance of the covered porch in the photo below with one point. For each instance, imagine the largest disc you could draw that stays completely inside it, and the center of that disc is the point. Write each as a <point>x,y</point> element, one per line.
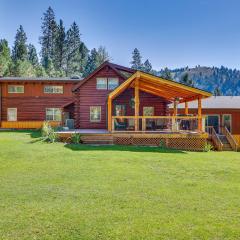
<point>147,121</point>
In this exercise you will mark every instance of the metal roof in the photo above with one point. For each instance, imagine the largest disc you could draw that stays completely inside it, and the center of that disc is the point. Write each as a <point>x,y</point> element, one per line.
<point>39,79</point>
<point>218,102</point>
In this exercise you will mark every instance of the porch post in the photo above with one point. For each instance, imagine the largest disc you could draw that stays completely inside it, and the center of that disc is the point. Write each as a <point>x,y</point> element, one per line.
<point>174,116</point>
<point>109,114</point>
<point>200,114</point>
<point>186,108</point>
<point>136,94</point>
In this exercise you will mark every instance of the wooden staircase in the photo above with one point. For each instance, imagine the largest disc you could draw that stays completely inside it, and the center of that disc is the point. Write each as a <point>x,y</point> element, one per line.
<point>100,139</point>
<point>226,145</point>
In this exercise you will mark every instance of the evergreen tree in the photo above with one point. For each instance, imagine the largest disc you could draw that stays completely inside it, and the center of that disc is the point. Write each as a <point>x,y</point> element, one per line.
<point>186,80</point>
<point>60,48</point>
<point>136,62</point>
<point>91,62</point>
<point>32,55</point>
<point>5,58</point>
<point>217,92</point>
<point>102,56</point>
<point>147,66</point>
<point>22,69</point>
<point>49,67</point>
<point>40,71</point>
<point>48,38</point>
<point>84,56</point>
<point>73,56</point>
<point>19,51</point>
<point>166,74</point>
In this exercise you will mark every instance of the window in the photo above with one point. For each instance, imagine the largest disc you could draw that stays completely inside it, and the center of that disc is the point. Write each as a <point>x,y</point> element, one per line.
<point>53,114</point>
<point>148,111</point>
<point>95,114</point>
<point>12,114</point>
<point>101,83</point>
<point>112,83</point>
<point>120,110</point>
<point>15,89</point>
<point>53,89</point>
<point>227,121</point>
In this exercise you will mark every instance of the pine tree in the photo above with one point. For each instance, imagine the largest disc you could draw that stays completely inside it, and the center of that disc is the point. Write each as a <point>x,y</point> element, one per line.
<point>136,62</point>
<point>217,92</point>
<point>49,67</point>
<point>32,55</point>
<point>22,69</point>
<point>5,58</point>
<point>186,80</point>
<point>84,56</point>
<point>48,38</point>
<point>60,48</point>
<point>147,66</point>
<point>166,74</point>
<point>19,51</point>
<point>91,62</point>
<point>73,56</point>
<point>102,56</point>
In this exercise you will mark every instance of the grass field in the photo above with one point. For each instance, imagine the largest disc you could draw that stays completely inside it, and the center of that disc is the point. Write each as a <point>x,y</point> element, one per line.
<point>57,191</point>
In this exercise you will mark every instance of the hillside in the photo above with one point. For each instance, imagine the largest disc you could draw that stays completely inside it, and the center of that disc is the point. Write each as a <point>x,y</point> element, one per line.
<point>210,78</point>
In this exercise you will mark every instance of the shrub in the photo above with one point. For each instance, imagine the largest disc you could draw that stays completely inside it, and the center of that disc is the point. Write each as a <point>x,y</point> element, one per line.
<point>76,138</point>
<point>207,147</point>
<point>162,144</point>
<point>48,133</point>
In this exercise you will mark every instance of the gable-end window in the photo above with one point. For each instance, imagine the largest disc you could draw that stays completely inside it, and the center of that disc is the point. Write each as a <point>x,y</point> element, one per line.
<point>15,89</point>
<point>53,89</point>
<point>148,111</point>
<point>53,114</point>
<point>95,114</point>
<point>112,83</point>
<point>101,83</point>
<point>12,114</point>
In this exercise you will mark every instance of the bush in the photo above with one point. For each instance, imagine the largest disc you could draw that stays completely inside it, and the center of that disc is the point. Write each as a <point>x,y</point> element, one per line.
<point>76,138</point>
<point>207,147</point>
<point>48,133</point>
<point>162,144</point>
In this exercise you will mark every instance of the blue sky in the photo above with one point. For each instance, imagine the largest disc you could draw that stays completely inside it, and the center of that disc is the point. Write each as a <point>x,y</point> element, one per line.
<point>172,33</point>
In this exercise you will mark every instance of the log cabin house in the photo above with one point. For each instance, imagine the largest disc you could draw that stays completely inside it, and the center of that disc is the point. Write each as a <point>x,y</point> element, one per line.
<point>114,104</point>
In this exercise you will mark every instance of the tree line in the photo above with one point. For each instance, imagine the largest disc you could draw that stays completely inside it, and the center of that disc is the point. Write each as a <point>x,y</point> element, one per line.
<point>63,53</point>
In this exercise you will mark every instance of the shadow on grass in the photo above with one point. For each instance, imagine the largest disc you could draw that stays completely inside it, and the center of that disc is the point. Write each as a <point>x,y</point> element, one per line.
<point>82,147</point>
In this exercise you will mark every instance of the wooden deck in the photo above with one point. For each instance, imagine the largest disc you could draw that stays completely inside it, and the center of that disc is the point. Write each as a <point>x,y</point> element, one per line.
<point>192,141</point>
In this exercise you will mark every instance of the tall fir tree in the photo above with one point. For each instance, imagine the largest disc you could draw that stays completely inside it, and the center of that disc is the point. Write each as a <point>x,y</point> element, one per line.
<point>73,56</point>
<point>19,51</point>
<point>60,48</point>
<point>166,74</point>
<point>84,56</point>
<point>147,66</point>
<point>48,37</point>
<point>32,55</point>
<point>136,62</point>
<point>91,62</point>
<point>185,79</point>
<point>102,56</point>
<point>5,58</point>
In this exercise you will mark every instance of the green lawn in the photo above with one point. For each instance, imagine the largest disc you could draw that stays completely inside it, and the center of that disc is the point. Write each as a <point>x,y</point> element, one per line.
<point>57,191</point>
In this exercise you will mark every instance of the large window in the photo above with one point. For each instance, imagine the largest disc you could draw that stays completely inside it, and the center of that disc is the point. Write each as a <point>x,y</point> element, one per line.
<point>148,111</point>
<point>95,114</point>
<point>15,89</point>
<point>101,83</point>
<point>120,110</point>
<point>12,114</point>
<point>227,121</point>
<point>112,83</point>
<point>53,89</point>
<point>53,114</point>
<point>107,83</point>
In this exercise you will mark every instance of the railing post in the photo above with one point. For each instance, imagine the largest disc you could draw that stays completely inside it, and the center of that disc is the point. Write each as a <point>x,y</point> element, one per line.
<point>143,124</point>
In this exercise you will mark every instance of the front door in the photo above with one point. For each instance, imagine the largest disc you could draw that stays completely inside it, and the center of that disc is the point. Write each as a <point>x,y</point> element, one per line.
<point>227,121</point>
<point>213,121</point>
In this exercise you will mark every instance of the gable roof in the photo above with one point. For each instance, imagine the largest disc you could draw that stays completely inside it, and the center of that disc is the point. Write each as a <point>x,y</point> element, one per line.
<point>158,86</point>
<point>119,70</point>
<point>218,102</point>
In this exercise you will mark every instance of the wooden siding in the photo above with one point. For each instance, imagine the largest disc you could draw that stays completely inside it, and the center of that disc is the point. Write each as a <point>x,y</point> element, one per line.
<point>87,95</point>
<point>31,105</point>
<point>234,112</point>
<point>27,124</point>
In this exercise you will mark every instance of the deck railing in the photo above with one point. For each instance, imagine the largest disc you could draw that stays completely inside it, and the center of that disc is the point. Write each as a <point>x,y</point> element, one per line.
<point>230,138</point>
<point>215,138</point>
<point>155,123</point>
